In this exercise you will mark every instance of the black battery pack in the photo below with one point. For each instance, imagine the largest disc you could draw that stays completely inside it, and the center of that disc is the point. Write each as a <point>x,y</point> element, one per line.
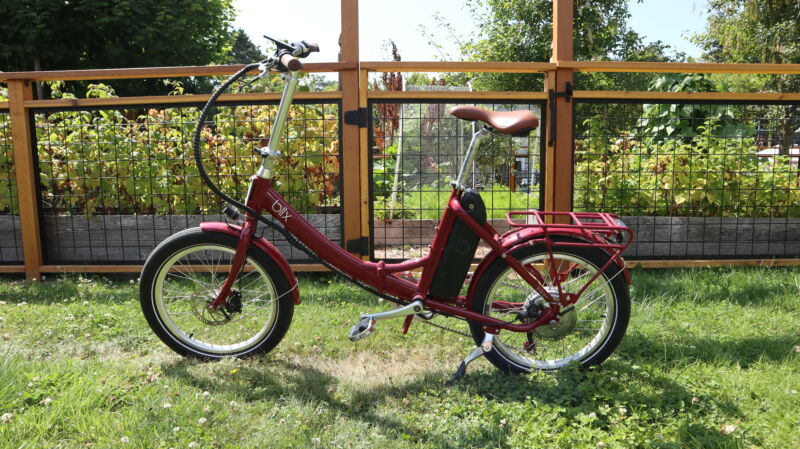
<point>459,249</point>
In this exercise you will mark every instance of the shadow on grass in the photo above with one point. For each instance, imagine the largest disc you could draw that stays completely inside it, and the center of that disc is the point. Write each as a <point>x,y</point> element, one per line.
<point>614,383</point>
<point>276,380</point>
<point>572,392</point>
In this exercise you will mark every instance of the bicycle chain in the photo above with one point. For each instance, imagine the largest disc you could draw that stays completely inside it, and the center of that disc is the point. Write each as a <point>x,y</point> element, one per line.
<point>449,329</point>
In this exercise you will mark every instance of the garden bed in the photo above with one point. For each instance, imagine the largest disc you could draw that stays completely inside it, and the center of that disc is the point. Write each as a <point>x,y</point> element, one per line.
<point>10,239</point>
<point>655,237</point>
<point>131,238</point>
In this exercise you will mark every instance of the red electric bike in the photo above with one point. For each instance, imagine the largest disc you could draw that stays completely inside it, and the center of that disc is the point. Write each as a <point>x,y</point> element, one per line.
<point>552,291</point>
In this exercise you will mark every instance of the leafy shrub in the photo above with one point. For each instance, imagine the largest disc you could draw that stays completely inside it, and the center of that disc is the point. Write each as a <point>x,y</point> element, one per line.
<point>107,162</point>
<point>702,176</point>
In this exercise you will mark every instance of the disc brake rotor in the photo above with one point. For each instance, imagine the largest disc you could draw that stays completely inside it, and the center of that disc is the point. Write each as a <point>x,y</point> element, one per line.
<point>206,315</point>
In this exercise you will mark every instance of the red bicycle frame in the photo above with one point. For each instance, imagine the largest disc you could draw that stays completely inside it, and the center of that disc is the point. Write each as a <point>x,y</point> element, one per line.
<point>597,230</point>
<point>585,229</point>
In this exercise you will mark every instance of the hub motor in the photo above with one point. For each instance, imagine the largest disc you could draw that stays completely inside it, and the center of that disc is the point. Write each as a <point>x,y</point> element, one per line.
<point>555,330</point>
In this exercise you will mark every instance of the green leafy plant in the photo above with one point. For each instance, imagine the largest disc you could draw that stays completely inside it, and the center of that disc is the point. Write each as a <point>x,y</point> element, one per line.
<point>8,186</point>
<point>112,161</point>
<point>702,176</point>
<point>686,120</point>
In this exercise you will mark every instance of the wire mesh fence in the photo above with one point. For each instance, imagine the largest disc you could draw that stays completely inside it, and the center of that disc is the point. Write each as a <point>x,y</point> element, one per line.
<point>416,149</point>
<point>10,237</point>
<point>705,180</point>
<point>116,182</point>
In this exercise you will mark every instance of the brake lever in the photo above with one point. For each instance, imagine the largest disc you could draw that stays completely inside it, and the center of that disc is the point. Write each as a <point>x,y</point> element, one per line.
<point>280,44</point>
<point>264,67</point>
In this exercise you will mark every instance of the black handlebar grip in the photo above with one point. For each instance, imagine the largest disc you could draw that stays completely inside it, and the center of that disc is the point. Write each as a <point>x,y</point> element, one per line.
<point>312,47</point>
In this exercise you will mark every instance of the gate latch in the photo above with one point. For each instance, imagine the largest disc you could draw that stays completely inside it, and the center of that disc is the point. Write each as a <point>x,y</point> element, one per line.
<point>358,117</point>
<point>567,95</point>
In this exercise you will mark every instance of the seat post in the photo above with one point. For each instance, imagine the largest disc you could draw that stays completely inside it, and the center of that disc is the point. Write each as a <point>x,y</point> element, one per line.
<point>477,137</point>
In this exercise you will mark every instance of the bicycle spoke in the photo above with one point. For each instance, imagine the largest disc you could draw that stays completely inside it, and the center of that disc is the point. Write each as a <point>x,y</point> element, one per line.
<point>565,340</point>
<point>193,280</point>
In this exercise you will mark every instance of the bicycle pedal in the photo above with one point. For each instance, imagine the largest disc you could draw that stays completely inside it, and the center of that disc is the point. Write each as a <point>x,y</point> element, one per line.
<point>367,323</point>
<point>364,328</point>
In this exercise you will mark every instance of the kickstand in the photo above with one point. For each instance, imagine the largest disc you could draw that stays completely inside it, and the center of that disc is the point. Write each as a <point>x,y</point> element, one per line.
<point>485,347</point>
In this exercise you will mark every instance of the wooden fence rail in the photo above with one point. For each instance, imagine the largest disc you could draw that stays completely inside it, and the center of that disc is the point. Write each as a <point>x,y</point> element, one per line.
<point>354,93</point>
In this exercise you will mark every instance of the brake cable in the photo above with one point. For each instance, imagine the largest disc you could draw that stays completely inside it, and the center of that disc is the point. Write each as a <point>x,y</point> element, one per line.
<point>286,234</point>
<point>217,191</point>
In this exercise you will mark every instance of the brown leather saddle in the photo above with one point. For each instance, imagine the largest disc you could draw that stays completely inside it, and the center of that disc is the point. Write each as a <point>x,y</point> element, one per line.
<point>515,123</point>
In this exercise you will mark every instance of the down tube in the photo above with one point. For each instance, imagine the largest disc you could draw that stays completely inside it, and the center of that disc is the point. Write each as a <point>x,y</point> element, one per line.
<point>332,253</point>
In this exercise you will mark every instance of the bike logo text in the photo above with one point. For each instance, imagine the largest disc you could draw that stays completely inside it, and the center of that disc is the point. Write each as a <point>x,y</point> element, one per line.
<point>281,211</point>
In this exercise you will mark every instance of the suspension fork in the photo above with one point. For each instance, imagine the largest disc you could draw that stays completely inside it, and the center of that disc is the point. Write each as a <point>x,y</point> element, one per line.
<point>245,239</point>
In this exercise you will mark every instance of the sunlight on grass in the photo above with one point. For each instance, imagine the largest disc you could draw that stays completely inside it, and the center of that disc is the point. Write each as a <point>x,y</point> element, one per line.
<point>711,359</point>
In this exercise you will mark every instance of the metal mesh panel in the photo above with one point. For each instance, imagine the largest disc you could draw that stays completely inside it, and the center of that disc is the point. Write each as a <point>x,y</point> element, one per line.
<point>10,237</point>
<point>116,182</point>
<point>694,180</point>
<point>417,148</point>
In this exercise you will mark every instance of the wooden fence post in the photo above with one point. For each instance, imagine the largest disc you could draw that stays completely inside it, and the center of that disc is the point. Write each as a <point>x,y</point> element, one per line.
<point>559,153</point>
<point>20,91</point>
<point>364,172</point>
<point>351,133</point>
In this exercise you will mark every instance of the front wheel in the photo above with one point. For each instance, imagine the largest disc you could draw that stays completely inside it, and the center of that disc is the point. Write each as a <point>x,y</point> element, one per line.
<point>184,274</point>
<point>585,335</point>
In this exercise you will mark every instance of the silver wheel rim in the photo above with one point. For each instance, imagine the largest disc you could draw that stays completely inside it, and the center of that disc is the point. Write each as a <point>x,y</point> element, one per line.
<point>596,314</point>
<point>191,277</point>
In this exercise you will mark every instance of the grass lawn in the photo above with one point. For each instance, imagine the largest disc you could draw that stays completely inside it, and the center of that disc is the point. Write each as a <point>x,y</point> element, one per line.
<point>711,359</point>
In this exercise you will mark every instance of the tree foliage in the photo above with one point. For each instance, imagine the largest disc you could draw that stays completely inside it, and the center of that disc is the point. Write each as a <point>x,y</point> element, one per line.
<point>755,31</point>
<point>83,34</point>
<point>243,50</point>
<point>750,31</point>
<point>759,31</point>
<point>521,30</point>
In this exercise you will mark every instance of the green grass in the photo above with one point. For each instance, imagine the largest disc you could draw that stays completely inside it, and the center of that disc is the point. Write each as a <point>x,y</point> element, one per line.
<point>429,202</point>
<point>710,360</point>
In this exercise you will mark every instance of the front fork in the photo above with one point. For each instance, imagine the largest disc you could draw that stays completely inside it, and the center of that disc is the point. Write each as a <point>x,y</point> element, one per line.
<point>245,239</point>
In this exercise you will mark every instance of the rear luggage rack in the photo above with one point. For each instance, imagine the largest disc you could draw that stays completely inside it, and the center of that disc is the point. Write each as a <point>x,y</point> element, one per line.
<point>606,230</point>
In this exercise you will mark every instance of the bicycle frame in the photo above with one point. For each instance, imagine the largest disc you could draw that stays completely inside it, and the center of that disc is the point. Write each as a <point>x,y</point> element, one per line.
<point>383,276</point>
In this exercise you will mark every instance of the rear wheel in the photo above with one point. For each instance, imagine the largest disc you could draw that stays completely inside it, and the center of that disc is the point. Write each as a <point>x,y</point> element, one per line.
<point>585,335</point>
<point>182,277</point>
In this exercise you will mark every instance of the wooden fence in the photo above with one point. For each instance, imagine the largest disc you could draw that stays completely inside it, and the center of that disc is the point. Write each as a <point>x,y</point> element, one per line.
<point>354,93</point>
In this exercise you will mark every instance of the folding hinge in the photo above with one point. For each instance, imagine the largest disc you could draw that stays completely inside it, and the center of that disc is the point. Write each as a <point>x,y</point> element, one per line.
<point>359,117</point>
<point>359,245</point>
<point>567,95</point>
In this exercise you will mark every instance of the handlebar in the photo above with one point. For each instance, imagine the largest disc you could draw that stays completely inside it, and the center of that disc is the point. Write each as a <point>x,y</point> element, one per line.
<point>287,54</point>
<point>290,62</point>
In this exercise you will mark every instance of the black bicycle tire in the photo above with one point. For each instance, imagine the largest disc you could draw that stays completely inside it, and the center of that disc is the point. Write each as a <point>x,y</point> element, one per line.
<point>594,256</point>
<point>193,237</point>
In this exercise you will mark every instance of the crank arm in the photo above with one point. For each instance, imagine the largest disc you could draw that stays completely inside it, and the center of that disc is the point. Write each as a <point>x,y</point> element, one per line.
<point>366,325</point>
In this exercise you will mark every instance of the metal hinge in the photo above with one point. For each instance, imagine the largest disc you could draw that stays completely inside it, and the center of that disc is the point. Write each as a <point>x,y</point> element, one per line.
<point>567,95</point>
<point>359,246</point>
<point>359,117</point>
